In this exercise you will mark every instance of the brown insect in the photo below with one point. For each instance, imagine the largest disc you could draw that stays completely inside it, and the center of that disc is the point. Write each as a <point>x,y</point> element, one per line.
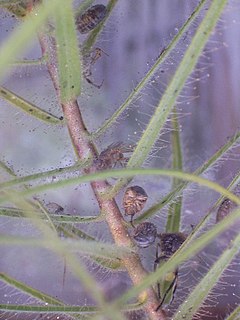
<point>225,208</point>
<point>144,235</point>
<point>54,208</point>
<point>89,60</point>
<point>169,243</point>
<point>91,18</point>
<point>113,156</point>
<point>134,200</point>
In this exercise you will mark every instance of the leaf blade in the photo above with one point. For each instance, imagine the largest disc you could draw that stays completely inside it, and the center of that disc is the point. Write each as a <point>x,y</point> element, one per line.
<point>69,65</point>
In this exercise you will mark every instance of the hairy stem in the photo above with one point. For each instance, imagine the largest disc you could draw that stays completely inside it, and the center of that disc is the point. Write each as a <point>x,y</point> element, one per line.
<point>84,149</point>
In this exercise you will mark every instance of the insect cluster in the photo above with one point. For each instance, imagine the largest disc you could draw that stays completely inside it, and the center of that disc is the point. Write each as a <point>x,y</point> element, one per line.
<point>85,23</point>
<point>145,234</point>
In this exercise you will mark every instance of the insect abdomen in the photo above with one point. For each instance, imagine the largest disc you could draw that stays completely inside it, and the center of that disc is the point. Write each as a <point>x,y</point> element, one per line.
<point>91,18</point>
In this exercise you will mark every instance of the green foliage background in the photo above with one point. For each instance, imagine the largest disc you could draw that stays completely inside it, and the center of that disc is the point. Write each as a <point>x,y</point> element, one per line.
<point>18,198</point>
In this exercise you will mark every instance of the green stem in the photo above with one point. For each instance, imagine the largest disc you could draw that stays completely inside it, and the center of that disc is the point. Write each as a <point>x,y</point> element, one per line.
<point>127,173</point>
<point>58,219</point>
<point>162,57</point>
<point>174,212</point>
<point>47,174</point>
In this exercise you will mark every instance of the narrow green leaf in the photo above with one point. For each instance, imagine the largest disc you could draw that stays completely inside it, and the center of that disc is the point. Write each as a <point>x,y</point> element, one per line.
<point>50,241</point>
<point>8,2</point>
<point>111,264</point>
<point>16,43</point>
<point>174,212</point>
<point>235,315</point>
<point>30,62</point>
<point>83,6</point>
<point>198,295</point>
<point>125,173</point>
<point>72,232</point>
<point>49,309</point>
<point>7,169</point>
<point>28,107</point>
<point>175,86</point>
<point>29,290</point>
<point>172,195</point>
<point>41,175</point>
<point>69,63</point>
<point>162,57</point>
<point>64,309</point>
<point>86,247</point>
<point>203,222</point>
<point>58,219</point>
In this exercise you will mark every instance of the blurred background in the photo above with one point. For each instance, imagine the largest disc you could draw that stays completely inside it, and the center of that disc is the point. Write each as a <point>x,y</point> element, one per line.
<point>207,109</point>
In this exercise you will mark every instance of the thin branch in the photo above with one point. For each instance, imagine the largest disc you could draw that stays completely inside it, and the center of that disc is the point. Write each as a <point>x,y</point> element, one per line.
<point>84,148</point>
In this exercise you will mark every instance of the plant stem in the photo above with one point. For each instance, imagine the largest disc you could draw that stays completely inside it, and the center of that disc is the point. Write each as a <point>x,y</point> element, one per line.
<point>84,148</point>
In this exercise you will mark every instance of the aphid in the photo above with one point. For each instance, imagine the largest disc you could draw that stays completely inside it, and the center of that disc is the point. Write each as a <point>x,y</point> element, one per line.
<point>169,243</point>
<point>54,208</point>
<point>225,208</point>
<point>134,200</point>
<point>144,235</point>
<point>112,156</point>
<point>91,18</point>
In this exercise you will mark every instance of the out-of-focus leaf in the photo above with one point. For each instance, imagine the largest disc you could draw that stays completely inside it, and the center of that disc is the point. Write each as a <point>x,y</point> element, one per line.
<point>126,173</point>
<point>28,107</point>
<point>206,165</point>
<point>174,212</point>
<point>29,290</point>
<point>162,57</point>
<point>85,247</point>
<point>175,86</point>
<point>69,63</point>
<point>180,256</point>
<point>20,39</point>
<point>194,301</point>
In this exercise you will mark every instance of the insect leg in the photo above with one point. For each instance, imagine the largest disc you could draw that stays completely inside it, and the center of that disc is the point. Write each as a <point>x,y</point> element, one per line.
<point>94,84</point>
<point>97,53</point>
<point>156,262</point>
<point>173,284</point>
<point>175,280</point>
<point>131,221</point>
